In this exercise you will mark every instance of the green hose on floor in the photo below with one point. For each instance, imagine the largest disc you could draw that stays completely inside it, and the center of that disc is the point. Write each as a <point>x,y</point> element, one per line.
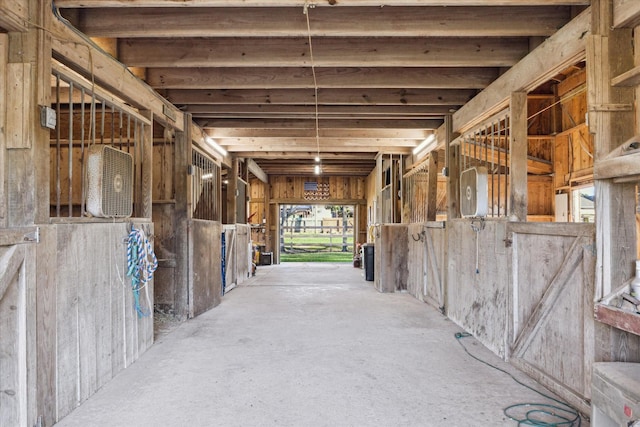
<point>536,414</point>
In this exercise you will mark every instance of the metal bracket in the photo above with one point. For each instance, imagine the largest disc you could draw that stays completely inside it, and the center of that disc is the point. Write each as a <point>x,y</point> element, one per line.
<point>33,236</point>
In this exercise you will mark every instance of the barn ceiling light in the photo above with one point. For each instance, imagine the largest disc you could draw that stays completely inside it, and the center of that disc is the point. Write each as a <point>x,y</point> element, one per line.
<point>215,145</point>
<point>426,145</point>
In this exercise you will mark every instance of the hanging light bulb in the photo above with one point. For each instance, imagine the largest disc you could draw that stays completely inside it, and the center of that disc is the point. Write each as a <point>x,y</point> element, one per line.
<point>317,159</point>
<point>317,169</point>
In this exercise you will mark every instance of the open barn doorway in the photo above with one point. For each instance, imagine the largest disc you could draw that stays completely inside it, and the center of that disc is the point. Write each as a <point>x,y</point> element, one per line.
<point>316,233</point>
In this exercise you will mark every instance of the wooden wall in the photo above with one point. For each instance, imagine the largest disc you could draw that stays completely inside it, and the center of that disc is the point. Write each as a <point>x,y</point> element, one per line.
<point>345,190</point>
<point>20,377</point>
<point>426,262</point>
<point>478,301</point>
<point>205,268</point>
<point>574,149</point>
<point>89,330</point>
<point>551,321</point>
<point>390,253</point>
<point>237,268</point>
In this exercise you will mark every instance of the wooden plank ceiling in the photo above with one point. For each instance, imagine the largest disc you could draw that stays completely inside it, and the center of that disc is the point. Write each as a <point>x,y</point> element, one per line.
<point>387,72</point>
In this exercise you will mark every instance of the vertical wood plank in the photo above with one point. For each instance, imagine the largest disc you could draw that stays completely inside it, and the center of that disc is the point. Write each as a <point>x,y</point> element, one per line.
<point>4,57</point>
<point>518,156</point>
<point>181,217</point>
<point>67,342</point>
<point>432,186</point>
<point>608,55</point>
<point>147,167</point>
<point>232,191</point>
<point>18,113</point>
<point>453,167</point>
<point>46,261</point>
<point>20,179</point>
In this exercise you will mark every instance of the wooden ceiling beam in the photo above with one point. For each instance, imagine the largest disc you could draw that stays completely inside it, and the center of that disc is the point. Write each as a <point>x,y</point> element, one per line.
<point>310,143</point>
<point>343,77</point>
<point>284,155</point>
<point>298,3</point>
<point>324,133</point>
<point>454,21</point>
<point>626,13</point>
<point>243,150</point>
<point>324,124</point>
<point>308,111</point>
<point>564,48</point>
<point>325,96</point>
<point>327,52</point>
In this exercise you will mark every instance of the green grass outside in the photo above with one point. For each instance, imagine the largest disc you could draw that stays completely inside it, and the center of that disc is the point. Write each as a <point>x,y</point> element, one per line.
<point>317,257</point>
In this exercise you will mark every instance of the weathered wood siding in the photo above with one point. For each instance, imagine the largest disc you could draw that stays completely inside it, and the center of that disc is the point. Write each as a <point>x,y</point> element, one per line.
<point>19,374</point>
<point>341,189</point>
<point>426,262</point>
<point>98,332</point>
<point>205,260</point>
<point>238,239</point>
<point>391,250</point>
<point>552,319</point>
<point>479,301</point>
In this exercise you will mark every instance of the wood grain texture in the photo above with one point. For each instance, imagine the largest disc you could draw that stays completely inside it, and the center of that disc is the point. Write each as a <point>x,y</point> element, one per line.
<point>295,3</point>
<point>327,51</point>
<point>626,13</point>
<point>98,332</point>
<point>564,48</point>
<point>479,302</point>
<point>518,150</point>
<point>90,61</point>
<point>13,337</point>
<point>207,286</point>
<point>325,96</point>
<point>46,313</point>
<point>391,250</point>
<point>553,327</point>
<point>4,53</point>
<point>454,21</point>
<point>343,77</point>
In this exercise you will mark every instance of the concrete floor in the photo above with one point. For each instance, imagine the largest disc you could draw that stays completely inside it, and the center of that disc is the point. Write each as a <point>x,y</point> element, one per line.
<point>310,345</point>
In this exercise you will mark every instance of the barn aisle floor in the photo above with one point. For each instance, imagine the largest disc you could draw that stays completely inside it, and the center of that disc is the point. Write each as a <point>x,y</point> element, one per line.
<point>310,345</point>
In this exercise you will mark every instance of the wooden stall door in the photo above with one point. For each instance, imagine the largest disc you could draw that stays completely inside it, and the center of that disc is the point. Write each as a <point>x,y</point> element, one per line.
<point>425,263</point>
<point>553,288</point>
<point>17,307</point>
<point>230,257</point>
<point>205,272</point>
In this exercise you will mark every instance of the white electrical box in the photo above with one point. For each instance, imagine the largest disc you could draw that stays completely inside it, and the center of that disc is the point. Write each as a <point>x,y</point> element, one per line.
<point>48,117</point>
<point>474,190</point>
<point>109,182</point>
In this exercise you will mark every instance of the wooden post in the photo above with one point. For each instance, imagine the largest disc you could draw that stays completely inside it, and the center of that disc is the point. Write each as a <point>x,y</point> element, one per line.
<point>453,170</point>
<point>518,153</point>
<point>146,184</point>
<point>432,186</point>
<point>181,218</point>
<point>232,193</point>
<point>609,53</point>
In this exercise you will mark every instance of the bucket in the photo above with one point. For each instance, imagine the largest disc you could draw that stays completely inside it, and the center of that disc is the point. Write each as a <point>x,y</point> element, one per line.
<point>635,290</point>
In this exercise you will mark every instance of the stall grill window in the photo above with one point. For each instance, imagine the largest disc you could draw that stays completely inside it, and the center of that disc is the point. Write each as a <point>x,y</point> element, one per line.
<point>206,189</point>
<point>488,146</point>
<point>87,115</point>
<point>417,188</point>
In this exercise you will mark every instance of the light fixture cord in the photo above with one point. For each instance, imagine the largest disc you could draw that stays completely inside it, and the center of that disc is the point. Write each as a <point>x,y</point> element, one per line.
<point>313,71</point>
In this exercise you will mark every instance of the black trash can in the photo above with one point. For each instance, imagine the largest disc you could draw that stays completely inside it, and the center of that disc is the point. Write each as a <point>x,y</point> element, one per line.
<point>369,261</point>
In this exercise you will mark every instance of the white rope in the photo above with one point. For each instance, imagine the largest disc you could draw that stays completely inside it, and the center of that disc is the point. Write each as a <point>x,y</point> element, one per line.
<point>313,71</point>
